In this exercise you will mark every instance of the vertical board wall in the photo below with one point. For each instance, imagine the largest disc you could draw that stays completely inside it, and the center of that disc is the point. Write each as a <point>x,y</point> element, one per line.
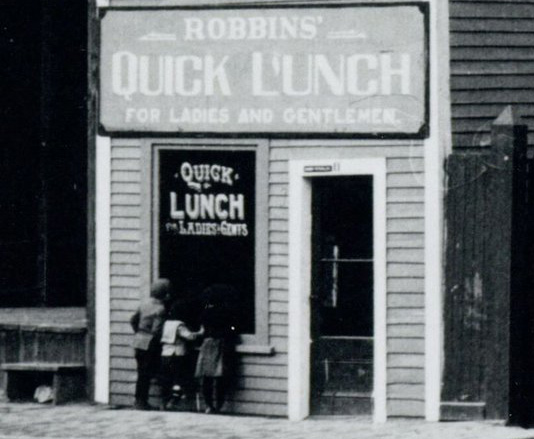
<point>262,382</point>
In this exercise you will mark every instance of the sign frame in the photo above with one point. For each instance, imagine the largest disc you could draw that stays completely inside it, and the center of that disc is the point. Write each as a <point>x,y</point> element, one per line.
<point>422,133</point>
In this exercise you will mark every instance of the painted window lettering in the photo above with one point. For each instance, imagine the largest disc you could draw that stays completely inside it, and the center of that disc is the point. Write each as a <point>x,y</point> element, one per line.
<point>192,210</point>
<point>208,206</point>
<point>194,175</point>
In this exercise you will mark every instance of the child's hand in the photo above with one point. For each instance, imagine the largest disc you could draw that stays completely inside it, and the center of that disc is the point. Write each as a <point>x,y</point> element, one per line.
<point>201,331</point>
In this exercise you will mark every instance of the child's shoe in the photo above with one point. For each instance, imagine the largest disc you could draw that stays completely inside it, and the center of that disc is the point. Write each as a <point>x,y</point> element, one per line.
<point>177,392</point>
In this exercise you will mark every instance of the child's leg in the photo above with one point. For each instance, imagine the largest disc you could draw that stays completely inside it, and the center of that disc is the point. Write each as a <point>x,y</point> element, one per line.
<point>220,392</point>
<point>189,380</point>
<point>207,391</point>
<point>143,377</point>
<point>180,374</point>
<point>166,378</point>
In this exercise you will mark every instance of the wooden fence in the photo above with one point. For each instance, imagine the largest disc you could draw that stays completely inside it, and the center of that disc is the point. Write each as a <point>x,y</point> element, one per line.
<point>486,204</point>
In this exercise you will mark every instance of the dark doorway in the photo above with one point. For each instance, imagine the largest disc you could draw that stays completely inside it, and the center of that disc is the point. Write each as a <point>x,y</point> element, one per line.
<point>342,295</point>
<point>43,159</point>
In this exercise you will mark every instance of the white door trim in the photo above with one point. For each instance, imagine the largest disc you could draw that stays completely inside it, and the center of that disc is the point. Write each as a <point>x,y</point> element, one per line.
<point>436,147</point>
<point>300,174</point>
<point>102,275</point>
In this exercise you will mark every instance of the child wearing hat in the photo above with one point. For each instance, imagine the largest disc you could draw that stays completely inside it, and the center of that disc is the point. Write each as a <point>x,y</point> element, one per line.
<point>147,324</point>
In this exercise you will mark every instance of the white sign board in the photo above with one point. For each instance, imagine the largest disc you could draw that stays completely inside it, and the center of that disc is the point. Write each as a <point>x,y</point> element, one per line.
<point>343,69</point>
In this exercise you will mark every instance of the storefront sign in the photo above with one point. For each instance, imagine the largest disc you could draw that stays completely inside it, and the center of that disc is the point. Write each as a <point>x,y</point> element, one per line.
<point>343,69</point>
<point>207,221</point>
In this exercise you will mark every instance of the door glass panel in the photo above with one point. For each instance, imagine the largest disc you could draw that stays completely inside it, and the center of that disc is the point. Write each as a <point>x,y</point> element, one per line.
<point>343,252</point>
<point>346,307</point>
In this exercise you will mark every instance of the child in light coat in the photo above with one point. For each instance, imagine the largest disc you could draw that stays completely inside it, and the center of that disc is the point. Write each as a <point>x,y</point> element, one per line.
<point>176,377</point>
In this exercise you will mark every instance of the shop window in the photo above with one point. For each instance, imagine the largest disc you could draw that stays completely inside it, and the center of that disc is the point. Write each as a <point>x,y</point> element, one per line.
<point>209,231</point>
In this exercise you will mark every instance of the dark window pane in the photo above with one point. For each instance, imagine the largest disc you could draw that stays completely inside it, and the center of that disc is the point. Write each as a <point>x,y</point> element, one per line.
<point>209,239</point>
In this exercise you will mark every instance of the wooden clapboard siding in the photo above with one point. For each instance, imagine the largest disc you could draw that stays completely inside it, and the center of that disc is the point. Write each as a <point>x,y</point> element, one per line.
<point>257,408</point>
<point>126,263</point>
<point>404,408</point>
<point>399,316</point>
<point>250,366</point>
<point>278,295</point>
<point>405,360</point>
<point>243,389</point>
<point>405,300</point>
<point>278,264</point>
<point>405,256</point>
<point>246,408</point>
<point>491,66</point>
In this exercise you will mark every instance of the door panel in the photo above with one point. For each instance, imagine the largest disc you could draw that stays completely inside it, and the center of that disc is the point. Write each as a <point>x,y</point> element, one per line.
<point>342,295</point>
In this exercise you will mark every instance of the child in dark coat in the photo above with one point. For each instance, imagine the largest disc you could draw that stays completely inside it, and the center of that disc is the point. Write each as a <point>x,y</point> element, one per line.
<point>147,323</point>
<point>214,362</point>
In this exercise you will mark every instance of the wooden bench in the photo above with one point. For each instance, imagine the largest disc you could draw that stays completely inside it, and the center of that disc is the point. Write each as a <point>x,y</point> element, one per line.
<point>66,379</point>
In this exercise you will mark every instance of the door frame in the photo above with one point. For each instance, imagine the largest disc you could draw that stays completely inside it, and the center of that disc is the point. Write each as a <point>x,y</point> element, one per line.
<point>300,174</point>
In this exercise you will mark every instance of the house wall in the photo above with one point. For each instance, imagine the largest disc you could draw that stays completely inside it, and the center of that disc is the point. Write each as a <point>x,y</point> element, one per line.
<point>262,382</point>
<point>491,66</point>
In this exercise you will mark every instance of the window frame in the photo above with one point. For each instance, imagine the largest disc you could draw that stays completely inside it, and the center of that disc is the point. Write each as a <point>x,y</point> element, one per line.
<point>256,343</point>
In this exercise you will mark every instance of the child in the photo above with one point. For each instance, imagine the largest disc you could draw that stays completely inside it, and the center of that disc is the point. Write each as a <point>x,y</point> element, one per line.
<point>147,323</point>
<point>175,374</point>
<point>214,362</point>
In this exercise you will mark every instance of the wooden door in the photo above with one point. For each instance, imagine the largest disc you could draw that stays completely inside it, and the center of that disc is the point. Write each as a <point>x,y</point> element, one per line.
<point>342,295</point>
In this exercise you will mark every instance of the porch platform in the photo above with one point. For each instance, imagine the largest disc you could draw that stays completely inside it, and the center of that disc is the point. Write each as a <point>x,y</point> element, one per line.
<point>42,336</point>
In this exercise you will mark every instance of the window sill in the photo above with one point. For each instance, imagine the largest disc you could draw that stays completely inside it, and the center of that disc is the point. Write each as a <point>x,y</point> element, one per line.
<point>255,349</point>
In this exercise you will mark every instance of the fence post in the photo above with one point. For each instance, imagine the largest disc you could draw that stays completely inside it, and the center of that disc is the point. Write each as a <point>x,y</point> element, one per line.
<point>509,134</point>
<point>509,146</point>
